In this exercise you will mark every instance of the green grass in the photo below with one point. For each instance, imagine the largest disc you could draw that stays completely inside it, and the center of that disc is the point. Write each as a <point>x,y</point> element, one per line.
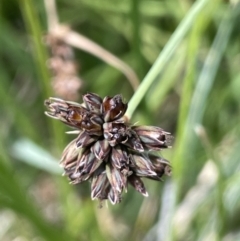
<point>187,55</point>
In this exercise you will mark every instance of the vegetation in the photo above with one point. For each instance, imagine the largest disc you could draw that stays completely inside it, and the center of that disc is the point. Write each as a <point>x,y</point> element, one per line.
<point>184,54</point>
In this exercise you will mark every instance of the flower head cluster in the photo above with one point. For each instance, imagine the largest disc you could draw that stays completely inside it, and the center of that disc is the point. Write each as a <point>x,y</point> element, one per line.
<point>108,151</point>
<point>65,81</point>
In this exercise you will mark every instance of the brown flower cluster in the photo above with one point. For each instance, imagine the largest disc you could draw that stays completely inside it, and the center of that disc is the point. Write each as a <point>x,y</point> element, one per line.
<point>109,151</point>
<point>65,81</point>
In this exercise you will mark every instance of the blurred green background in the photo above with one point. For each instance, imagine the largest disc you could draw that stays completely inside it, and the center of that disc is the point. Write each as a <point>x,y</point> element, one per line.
<point>192,49</point>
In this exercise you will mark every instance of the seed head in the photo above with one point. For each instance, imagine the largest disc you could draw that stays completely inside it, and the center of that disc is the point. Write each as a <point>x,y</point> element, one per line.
<point>109,151</point>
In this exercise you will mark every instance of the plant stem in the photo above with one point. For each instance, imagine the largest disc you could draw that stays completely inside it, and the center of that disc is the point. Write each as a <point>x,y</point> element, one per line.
<point>165,55</point>
<point>40,54</point>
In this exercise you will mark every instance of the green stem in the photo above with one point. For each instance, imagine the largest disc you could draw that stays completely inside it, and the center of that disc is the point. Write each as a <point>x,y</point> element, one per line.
<point>41,57</point>
<point>165,55</point>
<point>40,53</point>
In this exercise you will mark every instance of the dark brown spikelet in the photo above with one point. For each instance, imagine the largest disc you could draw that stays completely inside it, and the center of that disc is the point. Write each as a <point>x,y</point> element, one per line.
<point>108,151</point>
